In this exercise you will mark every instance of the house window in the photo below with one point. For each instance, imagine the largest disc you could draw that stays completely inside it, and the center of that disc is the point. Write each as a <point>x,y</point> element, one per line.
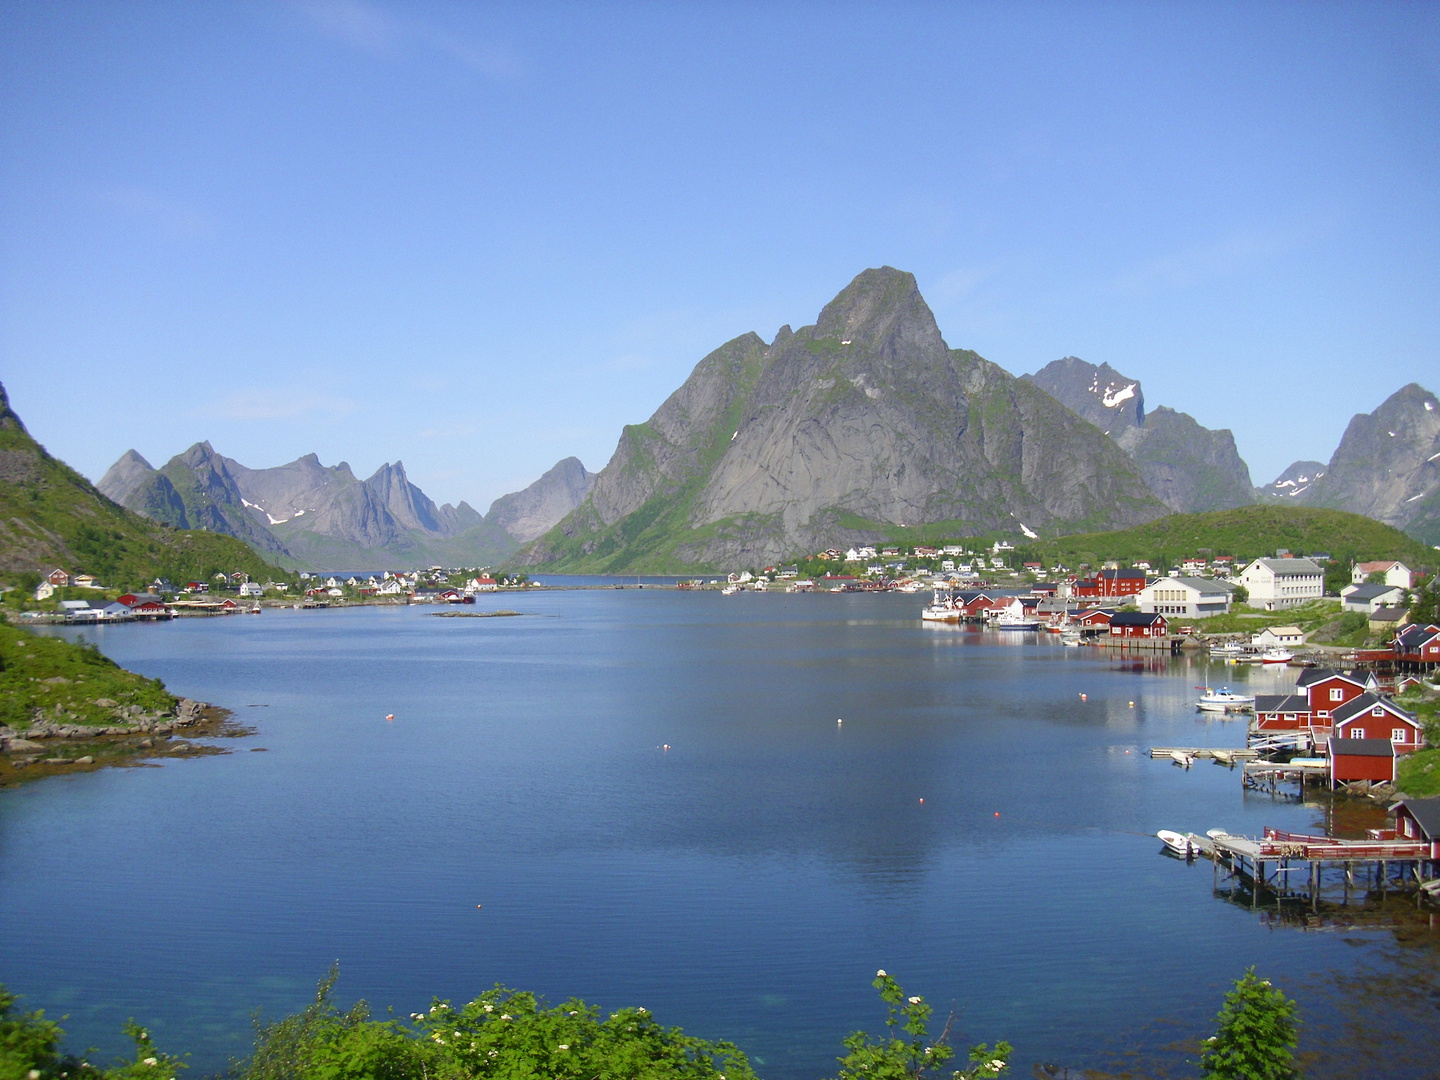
<point>1377,711</point>
<point>1336,694</point>
<point>1357,733</point>
<point>1397,734</point>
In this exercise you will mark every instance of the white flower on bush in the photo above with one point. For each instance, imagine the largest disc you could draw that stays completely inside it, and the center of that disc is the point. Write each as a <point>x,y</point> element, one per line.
<point>914,1001</point>
<point>489,1008</point>
<point>881,974</point>
<point>152,1061</point>
<point>564,1046</point>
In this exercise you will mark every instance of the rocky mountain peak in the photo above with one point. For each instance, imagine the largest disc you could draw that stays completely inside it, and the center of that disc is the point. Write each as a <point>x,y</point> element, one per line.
<point>1109,400</point>
<point>8,420</point>
<point>883,313</point>
<point>1295,481</point>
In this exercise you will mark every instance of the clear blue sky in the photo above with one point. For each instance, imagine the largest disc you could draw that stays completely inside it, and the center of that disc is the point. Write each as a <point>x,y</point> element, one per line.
<point>480,238</point>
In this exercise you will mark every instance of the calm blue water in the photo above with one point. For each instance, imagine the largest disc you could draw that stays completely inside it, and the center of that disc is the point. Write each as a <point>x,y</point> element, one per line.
<point>745,883</point>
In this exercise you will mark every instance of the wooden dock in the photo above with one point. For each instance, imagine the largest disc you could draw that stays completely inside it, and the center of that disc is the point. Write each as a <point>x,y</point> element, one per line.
<point>1265,863</point>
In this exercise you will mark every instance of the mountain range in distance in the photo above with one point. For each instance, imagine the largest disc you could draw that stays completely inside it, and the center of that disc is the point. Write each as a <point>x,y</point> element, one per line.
<point>854,429</point>
<point>307,515</point>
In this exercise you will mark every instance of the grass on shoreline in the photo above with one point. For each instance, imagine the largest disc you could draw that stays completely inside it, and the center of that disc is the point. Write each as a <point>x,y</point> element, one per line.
<point>68,682</point>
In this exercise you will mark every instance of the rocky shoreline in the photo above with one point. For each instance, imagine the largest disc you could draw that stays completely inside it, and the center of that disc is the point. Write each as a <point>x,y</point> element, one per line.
<point>47,748</point>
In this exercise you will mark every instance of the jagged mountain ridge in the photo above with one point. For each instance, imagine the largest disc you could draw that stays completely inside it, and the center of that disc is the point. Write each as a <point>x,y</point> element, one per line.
<point>1387,465</point>
<point>314,515</point>
<point>52,516</point>
<point>1190,468</point>
<point>865,421</point>
<point>305,512</point>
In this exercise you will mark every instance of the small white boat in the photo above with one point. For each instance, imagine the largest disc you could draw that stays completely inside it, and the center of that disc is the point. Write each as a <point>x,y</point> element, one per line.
<point>1228,648</point>
<point>729,590</point>
<point>1014,618</point>
<point>1223,700</point>
<point>1224,757</point>
<point>1175,842</point>
<point>1217,834</point>
<point>1181,758</point>
<point>1276,656</point>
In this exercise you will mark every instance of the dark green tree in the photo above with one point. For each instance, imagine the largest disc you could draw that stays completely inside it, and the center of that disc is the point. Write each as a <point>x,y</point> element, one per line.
<point>1256,1040</point>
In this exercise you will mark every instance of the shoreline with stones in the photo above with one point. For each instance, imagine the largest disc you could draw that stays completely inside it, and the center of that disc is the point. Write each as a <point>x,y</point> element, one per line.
<point>47,748</point>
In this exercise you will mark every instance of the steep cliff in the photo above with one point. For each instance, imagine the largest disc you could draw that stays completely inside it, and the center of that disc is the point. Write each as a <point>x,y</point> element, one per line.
<point>1293,483</point>
<point>1387,465</point>
<point>1190,468</point>
<point>540,507</point>
<point>834,433</point>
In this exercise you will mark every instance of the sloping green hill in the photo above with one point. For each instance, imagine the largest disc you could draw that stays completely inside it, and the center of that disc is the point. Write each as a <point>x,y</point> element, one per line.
<point>52,516</point>
<point>1247,532</point>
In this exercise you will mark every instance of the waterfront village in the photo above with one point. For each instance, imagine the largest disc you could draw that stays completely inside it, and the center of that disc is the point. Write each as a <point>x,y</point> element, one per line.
<point>1359,647</point>
<point>1364,636</point>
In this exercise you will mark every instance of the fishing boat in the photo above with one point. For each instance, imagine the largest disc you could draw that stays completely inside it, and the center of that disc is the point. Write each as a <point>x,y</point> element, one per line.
<point>1176,843</point>
<point>729,590</point>
<point>943,607</point>
<point>1228,648</point>
<point>1014,618</point>
<point>1276,655</point>
<point>1223,700</point>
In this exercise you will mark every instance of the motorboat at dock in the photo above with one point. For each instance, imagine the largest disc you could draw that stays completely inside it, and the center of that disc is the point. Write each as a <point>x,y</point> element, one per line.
<point>1223,700</point>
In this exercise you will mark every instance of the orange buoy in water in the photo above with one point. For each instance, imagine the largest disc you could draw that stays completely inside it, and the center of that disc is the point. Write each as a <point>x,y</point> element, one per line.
<point>389,716</point>
<point>997,813</point>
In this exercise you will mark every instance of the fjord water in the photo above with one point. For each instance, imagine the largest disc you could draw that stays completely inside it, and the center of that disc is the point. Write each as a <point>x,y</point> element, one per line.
<point>973,826</point>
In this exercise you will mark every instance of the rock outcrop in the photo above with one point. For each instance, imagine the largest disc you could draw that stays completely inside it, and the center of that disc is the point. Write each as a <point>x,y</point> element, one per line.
<point>1293,483</point>
<point>541,506</point>
<point>838,432</point>
<point>1189,468</point>
<point>1387,465</point>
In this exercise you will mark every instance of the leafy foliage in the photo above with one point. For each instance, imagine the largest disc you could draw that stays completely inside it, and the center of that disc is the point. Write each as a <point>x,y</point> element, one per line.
<point>1257,1037</point>
<point>502,1034</point>
<point>30,1050</point>
<point>907,1052</point>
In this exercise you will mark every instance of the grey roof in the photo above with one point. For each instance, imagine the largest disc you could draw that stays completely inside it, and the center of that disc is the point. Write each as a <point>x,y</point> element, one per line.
<point>1370,592</point>
<point>1280,703</point>
<point>1135,618</point>
<point>1426,813</point>
<point>1387,614</point>
<point>1363,747</point>
<point>1363,704</point>
<point>1199,584</point>
<point>1290,566</point>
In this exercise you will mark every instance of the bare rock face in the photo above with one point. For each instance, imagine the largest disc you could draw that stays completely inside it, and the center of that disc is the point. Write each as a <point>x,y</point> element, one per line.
<point>540,507</point>
<point>1293,483</point>
<point>833,433</point>
<point>1387,465</point>
<point>1189,468</point>
<point>126,477</point>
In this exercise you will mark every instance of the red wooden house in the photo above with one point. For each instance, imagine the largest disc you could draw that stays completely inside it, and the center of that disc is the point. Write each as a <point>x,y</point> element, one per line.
<point>58,578</point>
<point>1361,759</point>
<point>1092,618</point>
<point>1371,716</point>
<point>1418,645</point>
<point>1327,690</point>
<point>1138,624</point>
<point>1419,819</point>
<point>1127,582</point>
<point>1282,712</point>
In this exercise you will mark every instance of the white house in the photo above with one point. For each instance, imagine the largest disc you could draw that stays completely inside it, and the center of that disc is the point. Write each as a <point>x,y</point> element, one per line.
<point>1278,635</point>
<point>44,591</point>
<point>251,588</point>
<point>1396,573</point>
<point>1193,597</point>
<point>1282,583</point>
<point>1367,599</point>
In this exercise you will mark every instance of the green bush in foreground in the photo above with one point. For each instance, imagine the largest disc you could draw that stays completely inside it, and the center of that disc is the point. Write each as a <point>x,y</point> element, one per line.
<point>1256,1040</point>
<point>501,1035</point>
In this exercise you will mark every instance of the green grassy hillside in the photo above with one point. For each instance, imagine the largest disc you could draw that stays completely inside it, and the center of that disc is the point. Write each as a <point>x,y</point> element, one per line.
<point>68,683</point>
<point>52,516</point>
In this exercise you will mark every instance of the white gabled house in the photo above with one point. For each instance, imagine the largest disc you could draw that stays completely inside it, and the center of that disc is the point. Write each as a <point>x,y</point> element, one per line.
<point>1395,573</point>
<point>1191,597</point>
<point>1273,636</point>
<point>1281,583</point>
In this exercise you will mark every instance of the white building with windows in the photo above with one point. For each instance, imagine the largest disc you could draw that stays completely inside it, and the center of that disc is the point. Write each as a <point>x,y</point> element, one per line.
<point>1282,583</point>
<point>1393,573</point>
<point>1189,597</point>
